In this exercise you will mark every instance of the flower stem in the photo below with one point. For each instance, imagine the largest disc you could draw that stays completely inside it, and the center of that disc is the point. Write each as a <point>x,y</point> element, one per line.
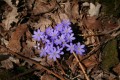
<point>81,66</point>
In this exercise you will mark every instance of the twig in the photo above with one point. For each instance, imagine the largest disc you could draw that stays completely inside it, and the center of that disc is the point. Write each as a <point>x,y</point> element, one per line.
<point>100,34</point>
<point>60,67</point>
<point>89,35</point>
<point>34,62</point>
<point>82,68</point>
<point>76,77</point>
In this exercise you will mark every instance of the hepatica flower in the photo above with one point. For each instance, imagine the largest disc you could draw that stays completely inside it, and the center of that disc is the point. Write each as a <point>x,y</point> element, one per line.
<point>54,34</point>
<point>48,31</point>
<point>66,23</point>
<point>56,39</point>
<point>54,53</point>
<point>59,27</point>
<point>79,49</point>
<point>70,47</point>
<point>67,30</point>
<point>45,39</point>
<point>43,52</point>
<point>70,37</point>
<point>38,35</point>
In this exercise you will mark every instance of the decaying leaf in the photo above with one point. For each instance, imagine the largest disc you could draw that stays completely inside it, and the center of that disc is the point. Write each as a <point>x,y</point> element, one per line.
<point>47,77</point>
<point>116,69</point>
<point>11,17</point>
<point>41,7</point>
<point>14,42</point>
<point>56,17</point>
<point>15,60</point>
<point>29,4</point>
<point>2,50</point>
<point>42,61</point>
<point>92,23</point>
<point>27,50</point>
<point>72,63</point>
<point>75,10</point>
<point>7,64</point>
<point>67,8</point>
<point>91,61</point>
<point>43,23</point>
<point>63,16</point>
<point>94,10</point>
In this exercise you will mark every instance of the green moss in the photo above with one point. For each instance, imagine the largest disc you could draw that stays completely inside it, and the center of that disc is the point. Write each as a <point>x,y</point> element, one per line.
<point>110,55</point>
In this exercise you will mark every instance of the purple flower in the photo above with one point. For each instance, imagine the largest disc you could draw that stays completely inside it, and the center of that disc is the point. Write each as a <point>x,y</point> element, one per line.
<point>49,47</point>
<point>67,30</point>
<point>48,31</point>
<point>45,39</point>
<point>38,35</point>
<point>70,37</point>
<point>54,34</point>
<point>64,44</point>
<point>66,23</point>
<point>60,50</point>
<point>70,47</point>
<point>43,52</point>
<point>60,39</point>
<point>54,53</point>
<point>79,49</point>
<point>59,27</point>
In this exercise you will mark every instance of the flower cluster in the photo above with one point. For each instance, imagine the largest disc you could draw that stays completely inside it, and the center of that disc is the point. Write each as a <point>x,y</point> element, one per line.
<point>56,39</point>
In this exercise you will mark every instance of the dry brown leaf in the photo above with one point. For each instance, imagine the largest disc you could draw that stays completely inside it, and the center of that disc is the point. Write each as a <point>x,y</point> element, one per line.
<point>63,16</point>
<point>92,23</point>
<point>117,69</point>
<point>29,4</point>
<point>41,7</point>
<point>50,61</point>
<point>2,49</point>
<point>42,61</point>
<point>47,77</point>
<point>110,25</point>
<point>27,51</point>
<point>72,63</point>
<point>75,10</point>
<point>67,8</point>
<point>56,17</point>
<point>7,64</point>
<point>15,60</point>
<point>43,23</point>
<point>91,61</point>
<point>11,17</point>
<point>14,42</point>
<point>31,44</point>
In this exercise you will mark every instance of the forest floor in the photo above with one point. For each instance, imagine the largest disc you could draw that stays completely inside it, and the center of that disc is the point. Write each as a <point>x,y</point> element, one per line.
<point>26,28</point>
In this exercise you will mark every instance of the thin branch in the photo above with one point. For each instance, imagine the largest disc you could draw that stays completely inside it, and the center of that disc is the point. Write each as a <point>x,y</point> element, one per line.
<point>34,62</point>
<point>101,34</point>
<point>60,67</point>
<point>81,66</point>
